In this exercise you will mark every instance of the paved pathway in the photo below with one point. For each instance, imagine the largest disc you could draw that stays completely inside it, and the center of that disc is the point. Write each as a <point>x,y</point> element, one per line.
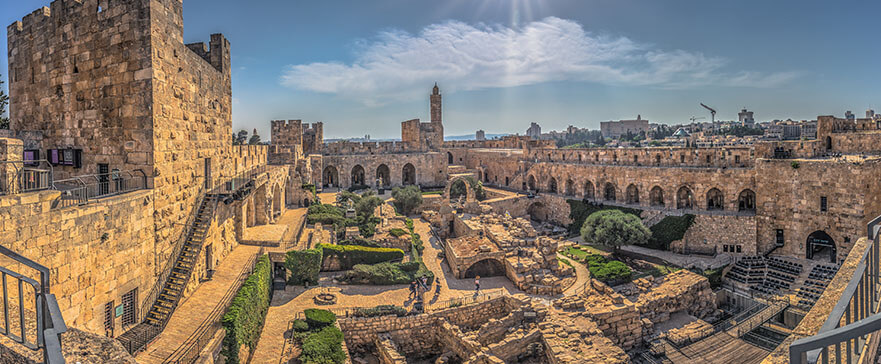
<point>186,318</point>
<point>582,276</point>
<point>685,261</point>
<point>286,304</point>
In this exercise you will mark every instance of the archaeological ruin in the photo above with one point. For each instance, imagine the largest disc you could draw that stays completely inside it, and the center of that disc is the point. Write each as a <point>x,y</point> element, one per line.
<point>133,229</point>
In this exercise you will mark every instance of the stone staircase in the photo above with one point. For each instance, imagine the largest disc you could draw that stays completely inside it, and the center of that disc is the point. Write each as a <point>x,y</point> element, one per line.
<point>652,217</point>
<point>169,296</point>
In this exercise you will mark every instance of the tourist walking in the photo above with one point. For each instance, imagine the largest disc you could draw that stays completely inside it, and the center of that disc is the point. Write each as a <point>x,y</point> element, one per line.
<point>477,284</point>
<point>437,285</point>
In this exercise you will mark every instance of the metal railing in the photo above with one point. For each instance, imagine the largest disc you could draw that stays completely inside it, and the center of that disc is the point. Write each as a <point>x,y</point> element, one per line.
<point>188,352</point>
<point>25,176</point>
<point>240,180</point>
<point>82,189</point>
<point>48,324</point>
<point>854,317</point>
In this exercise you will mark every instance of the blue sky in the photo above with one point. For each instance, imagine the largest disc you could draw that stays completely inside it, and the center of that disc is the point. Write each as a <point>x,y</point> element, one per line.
<point>362,67</point>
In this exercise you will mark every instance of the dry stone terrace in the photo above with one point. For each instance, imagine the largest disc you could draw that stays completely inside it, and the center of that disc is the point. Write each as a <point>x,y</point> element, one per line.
<point>144,272</point>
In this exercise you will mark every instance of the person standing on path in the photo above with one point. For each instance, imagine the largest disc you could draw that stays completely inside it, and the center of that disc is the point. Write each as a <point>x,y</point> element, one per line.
<point>477,284</point>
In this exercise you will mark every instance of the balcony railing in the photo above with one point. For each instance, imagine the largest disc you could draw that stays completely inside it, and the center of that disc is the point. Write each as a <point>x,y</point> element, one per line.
<point>82,189</point>
<point>850,334</point>
<point>31,315</point>
<point>25,176</point>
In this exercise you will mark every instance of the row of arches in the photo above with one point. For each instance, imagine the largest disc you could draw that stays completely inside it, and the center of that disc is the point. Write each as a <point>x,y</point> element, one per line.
<point>330,177</point>
<point>684,197</point>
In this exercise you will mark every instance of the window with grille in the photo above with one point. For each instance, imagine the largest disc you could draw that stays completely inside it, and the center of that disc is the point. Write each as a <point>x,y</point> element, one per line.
<point>108,318</point>
<point>823,204</point>
<point>129,316</point>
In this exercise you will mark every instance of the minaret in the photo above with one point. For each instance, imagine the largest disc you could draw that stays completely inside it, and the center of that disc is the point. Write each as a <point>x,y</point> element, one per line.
<point>435,101</point>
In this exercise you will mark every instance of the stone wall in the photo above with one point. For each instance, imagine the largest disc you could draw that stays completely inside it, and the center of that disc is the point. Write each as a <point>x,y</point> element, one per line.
<point>430,168</point>
<point>95,253</point>
<point>709,234</point>
<point>678,291</point>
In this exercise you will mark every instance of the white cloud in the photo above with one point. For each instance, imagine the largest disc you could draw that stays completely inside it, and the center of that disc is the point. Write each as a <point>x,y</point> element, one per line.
<point>399,65</point>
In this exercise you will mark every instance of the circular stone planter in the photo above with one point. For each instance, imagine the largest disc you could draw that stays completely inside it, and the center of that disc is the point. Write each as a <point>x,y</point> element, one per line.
<point>325,299</point>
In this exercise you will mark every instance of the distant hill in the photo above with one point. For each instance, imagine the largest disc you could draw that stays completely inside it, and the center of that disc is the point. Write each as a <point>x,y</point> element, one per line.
<point>471,136</point>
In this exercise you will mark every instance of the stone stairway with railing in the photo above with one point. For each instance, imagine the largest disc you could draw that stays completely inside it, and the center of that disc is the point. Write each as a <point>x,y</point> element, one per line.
<point>172,290</point>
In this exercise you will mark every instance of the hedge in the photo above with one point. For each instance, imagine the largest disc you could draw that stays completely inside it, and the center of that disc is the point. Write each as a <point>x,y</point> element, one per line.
<point>579,211</point>
<point>324,347</point>
<point>300,326</point>
<point>396,232</point>
<point>304,266</point>
<point>381,310</point>
<point>244,319</point>
<point>387,273</point>
<point>608,271</point>
<point>317,318</point>
<point>351,255</point>
<point>669,229</point>
<point>361,242</point>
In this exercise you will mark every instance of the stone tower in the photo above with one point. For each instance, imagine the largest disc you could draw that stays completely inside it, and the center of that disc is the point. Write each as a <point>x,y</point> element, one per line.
<point>435,100</point>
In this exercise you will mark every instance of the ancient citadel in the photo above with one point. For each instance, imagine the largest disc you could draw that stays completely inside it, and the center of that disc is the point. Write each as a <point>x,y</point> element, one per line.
<point>123,196</point>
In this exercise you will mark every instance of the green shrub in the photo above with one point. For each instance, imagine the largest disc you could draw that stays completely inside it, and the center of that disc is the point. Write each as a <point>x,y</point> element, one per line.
<point>361,242</point>
<point>351,255</point>
<point>409,223</point>
<point>244,318</point>
<point>579,211</point>
<point>381,310</point>
<point>326,219</point>
<point>407,199</point>
<point>300,326</point>
<point>714,276</point>
<point>607,271</point>
<point>669,229</point>
<point>317,318</point>
<point>324,347</point>
<point>328,209</point>
<point>387,273</point>
<point>304,266</point>
<point>396,232</point>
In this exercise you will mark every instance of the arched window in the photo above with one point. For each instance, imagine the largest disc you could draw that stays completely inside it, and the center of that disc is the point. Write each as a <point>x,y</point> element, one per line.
<point>684,198</point>
<point>656,196</point>
<point>632,194</point>
<point>714,200</point>
<point>609,192</point>
<point>531,183</point>
<point>570,187</point>
<point>552,185</point>
<point>746,201</point>
<point>589,191</point>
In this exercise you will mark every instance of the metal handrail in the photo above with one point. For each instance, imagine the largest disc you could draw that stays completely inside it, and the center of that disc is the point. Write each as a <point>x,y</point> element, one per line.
<point>49,321</point>
<point>30,175</point>
<point>857,305</point>
<point>81,189</point>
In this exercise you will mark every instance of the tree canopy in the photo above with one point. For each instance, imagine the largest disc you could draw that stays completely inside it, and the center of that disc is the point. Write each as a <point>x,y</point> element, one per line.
<point>407,199</point>
<point>614,228</point>
<point>4,100</point>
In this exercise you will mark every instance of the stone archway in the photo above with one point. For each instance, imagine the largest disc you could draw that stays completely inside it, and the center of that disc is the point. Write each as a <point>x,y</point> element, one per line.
<point>828,143</point>
<point>746,201</point>
<point>609,191</point>
<point>530,184</point>
<point>408,175</point>
<point>449,158</point>
<point>656,196</point>
<point>715,201</point>
<point>821,246</point>
<point>538,211</point>
<point>552,185</point>
<point>589,193</point>
<point>358,176</point>
<point>570,187</point>
<point>632,194</point>
<point>277,201</point>
<point>383,176</point>
<point>470,195</point>
<point>684,198</point>
<point>330,177</point>
<point>250,213</point>
<point>489,267</point>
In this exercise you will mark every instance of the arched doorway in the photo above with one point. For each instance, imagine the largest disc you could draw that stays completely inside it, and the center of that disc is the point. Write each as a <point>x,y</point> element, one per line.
<point>589,193</point>
<point>552,185</point>
<point>530,184</point>
<point>828,143</point>
<point>383,177</point>
<point>458,189</point>
<point>570,188</point>
<point>746,201</point>
<point>449,158</point>
<point>715,200</point>
<point>485,268</point>
<point>821,246</point>
<point>609,192</point>
<point>656,196</point>
<point>632,194</point>
<point>408,175</point>
<point>358,175</point>
<point>684,198</point>
<point>538,211</point>
<point>330,177</point>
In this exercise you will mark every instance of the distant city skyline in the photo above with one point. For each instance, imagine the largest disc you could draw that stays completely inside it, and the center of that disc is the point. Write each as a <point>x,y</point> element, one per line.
<point>363,67</point>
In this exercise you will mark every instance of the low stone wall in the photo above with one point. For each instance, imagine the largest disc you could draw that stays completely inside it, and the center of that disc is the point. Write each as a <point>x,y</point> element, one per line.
<point>709,233</point>
<point>678,291</point>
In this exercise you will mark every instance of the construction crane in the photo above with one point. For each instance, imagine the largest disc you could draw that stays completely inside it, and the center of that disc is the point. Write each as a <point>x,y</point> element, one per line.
<point>712,115</point>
